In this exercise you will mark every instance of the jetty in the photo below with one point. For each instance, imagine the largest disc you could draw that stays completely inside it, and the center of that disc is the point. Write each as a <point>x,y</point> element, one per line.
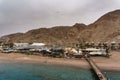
<point>100,75</point>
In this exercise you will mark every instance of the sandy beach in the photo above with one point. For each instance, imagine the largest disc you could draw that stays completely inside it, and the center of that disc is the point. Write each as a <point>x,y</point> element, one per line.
<point>112,63</point>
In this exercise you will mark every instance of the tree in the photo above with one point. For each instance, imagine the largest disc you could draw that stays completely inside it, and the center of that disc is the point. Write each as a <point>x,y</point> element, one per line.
<point>99,45</point>
<point>86,45</point>
<point>81,46</point>
<point>105,45</point>
<point>118,45</point>
<point>11,45</point>
<point>92,44</point>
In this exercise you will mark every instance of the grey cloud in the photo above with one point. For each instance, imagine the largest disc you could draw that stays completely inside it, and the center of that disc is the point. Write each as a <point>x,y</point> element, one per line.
<point>23,15</point>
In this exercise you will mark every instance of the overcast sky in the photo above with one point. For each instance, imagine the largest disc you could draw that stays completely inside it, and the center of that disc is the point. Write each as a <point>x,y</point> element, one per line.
<point>23,15</point>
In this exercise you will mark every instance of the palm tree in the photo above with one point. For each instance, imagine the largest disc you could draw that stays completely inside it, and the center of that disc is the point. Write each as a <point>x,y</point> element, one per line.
<point>81,45</point>
<point>92,44</point>
<point>86,44</point>
<point>99,45</point>
<point>118,45</point>
<point>11,45</point>
<point>77,45</point>
<point>105,45</point>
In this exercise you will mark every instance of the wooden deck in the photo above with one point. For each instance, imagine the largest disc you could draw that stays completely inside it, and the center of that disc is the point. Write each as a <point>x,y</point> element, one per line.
<point>96,69</point>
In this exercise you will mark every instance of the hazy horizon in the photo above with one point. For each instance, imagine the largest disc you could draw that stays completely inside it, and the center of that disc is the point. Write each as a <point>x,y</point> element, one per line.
<point>24,15</point>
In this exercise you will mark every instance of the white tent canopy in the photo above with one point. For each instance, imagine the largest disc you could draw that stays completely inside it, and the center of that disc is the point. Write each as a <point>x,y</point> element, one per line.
<point>38,44</point>
<point>113,42</point>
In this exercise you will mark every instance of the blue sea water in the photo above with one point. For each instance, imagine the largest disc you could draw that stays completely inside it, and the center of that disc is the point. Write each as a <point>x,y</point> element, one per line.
<point>22,71</point>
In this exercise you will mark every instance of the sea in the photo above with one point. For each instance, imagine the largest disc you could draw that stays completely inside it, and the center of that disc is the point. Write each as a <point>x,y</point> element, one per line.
<point>36,71</point>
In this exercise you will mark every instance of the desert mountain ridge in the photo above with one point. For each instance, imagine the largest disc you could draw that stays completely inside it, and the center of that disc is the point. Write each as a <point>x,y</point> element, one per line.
<point>105,29</point>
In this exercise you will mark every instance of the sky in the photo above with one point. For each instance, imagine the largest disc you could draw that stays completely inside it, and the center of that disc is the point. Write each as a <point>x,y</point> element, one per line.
<point>24,15</point>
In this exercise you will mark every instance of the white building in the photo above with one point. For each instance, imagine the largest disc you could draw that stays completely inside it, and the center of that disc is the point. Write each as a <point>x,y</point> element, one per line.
<point>20,45</point>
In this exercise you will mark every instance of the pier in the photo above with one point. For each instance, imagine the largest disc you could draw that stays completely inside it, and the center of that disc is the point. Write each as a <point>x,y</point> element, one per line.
<point>96,69</point>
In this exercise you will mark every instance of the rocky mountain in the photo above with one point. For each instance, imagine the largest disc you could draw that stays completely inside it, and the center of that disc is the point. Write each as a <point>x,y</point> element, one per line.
<point>59,35</point>
<point>106,28</point>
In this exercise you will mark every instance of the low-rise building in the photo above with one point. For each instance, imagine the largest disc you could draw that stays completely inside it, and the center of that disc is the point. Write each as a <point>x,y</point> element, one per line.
<point>20,45</point>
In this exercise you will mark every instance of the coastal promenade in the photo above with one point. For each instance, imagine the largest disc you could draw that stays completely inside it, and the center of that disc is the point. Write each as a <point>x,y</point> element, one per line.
<point>96,69</point>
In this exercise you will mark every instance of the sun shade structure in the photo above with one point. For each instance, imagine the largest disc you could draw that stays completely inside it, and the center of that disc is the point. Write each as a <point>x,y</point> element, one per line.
<point>38,44</point>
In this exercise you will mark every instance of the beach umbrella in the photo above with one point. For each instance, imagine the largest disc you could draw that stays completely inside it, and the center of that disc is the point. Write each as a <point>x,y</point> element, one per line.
<point>113,42</point>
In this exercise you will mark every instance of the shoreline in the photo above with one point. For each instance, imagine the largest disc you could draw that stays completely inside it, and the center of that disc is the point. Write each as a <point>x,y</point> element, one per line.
<point>106,64</point>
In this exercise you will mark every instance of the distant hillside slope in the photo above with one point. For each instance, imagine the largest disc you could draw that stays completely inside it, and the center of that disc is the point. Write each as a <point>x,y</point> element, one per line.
<point>57,35</point>
<point>106,28</point>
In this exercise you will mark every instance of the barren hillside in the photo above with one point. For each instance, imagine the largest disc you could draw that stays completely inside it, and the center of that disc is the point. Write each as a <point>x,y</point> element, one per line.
<point>106,28</point>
